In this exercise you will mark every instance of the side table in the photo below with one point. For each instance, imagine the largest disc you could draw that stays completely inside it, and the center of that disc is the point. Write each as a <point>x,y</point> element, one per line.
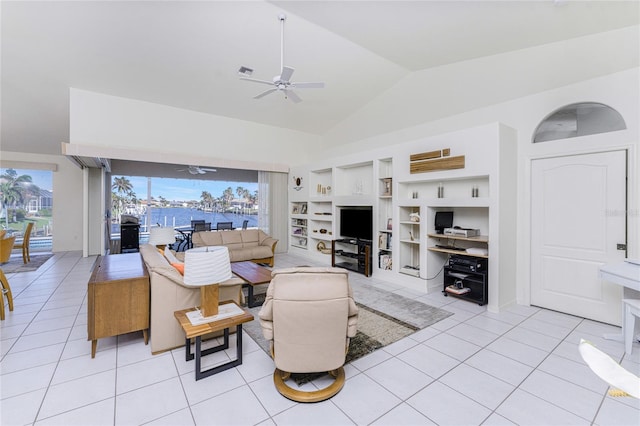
<point>199,330</point>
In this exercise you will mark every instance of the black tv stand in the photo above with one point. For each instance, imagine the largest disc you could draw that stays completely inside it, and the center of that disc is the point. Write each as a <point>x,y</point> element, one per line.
<point>357,261</point>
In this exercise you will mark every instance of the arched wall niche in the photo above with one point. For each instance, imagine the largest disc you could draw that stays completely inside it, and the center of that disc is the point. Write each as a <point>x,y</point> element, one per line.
<point>578,119</point>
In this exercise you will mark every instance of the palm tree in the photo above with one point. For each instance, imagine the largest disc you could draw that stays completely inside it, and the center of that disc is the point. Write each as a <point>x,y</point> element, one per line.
<point>14,189</point>
<point>124,193</point>
<point>242,195</point>
<point>207,199</point>
<point>122,185</point>
<point>227,196</point>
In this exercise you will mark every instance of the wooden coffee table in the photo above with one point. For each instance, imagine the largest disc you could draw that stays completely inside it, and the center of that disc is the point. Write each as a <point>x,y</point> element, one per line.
<point>253,274</point>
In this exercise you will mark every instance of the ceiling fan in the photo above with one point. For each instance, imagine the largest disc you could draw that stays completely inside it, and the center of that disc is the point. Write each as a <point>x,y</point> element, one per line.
<point>281,83</point>
<point>197,170</point>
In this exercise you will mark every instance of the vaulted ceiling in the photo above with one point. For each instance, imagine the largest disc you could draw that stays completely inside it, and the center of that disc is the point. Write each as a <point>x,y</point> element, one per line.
<point>187,54</point>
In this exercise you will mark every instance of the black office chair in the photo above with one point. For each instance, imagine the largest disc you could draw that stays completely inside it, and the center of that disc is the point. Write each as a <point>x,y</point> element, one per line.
<point>222,226</point>
<point>202,226</point>
<point>244,224</point>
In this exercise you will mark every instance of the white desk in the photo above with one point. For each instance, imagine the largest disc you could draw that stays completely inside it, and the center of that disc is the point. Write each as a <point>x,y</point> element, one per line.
<point>626,274</point>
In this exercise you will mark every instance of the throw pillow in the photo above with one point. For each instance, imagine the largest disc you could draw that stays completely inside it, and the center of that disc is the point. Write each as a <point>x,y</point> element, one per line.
<point>179,267</point>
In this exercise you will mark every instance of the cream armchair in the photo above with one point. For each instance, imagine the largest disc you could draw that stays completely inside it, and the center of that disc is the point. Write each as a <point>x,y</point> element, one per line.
<point>308,316</point>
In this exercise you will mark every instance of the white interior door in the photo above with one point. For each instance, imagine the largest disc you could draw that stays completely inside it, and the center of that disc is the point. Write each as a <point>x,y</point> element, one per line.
<point>577,220</point>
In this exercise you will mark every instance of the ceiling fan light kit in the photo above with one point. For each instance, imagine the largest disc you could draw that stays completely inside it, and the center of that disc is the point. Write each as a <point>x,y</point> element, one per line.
<point>280,83</point>
<point>197,170</point>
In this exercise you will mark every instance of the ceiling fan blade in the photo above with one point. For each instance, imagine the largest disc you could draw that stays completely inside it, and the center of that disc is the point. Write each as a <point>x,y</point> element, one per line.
<point>255,80</point>
<point>292,96</point>
<point>286,74</point>
<point>265,93</point>
<point>311,85</point>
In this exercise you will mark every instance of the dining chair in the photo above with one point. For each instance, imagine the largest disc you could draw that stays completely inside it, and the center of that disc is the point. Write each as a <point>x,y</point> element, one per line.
<point>194,221</point>
<point>6,245</point>
<point>24,245</point>
<point>6,292</point>
<point>202,226</point>
<point>244,224</point>
<point>223,226</point>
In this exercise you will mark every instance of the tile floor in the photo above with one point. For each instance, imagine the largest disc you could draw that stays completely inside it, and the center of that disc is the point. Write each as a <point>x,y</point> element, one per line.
<point>517,367</point>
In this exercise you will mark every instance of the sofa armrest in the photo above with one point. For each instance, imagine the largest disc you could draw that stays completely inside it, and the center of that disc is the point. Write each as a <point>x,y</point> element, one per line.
<point>269,241</point>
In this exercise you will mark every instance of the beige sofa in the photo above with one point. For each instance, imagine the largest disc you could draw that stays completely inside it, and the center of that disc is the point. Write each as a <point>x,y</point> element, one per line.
<point>169,294</point>
<point>246,244</point>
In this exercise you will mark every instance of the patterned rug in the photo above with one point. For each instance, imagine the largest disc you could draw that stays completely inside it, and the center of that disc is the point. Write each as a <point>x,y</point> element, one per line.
<point>385,319</point>
<point>15,263</point>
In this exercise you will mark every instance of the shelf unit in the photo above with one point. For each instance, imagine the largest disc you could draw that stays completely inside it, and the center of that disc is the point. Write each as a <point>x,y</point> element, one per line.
<point>298,227</point>
<point>475,283</point>
<point>344,256</point>
<point>409,239</point>
<point>385,214</point>
<point>455,243</point>
<point>382,178</point>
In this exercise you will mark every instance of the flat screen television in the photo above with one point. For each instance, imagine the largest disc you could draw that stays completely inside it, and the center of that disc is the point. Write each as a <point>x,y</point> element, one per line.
<point>443,220</point>
<point>356,222</point>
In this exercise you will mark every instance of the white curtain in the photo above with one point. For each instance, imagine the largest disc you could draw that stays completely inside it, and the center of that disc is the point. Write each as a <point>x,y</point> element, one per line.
<point>272,207</point>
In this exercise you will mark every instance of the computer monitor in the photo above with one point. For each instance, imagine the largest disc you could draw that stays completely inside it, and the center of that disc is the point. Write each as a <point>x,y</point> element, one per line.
<point>443,220</point>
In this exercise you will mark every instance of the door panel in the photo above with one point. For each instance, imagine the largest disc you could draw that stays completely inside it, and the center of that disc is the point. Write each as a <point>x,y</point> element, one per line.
<point>575,230</point>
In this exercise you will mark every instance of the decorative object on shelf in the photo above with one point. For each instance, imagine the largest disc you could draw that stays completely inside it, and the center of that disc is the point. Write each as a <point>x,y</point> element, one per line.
<point>323,231</point>
<point>389,224</point>
<point>440,190</point>
<point>435,160</point>
<point>414,194</point>
<point>359,190</point>
<point>303,209</point>
<point>386,184</point>
<point>323,190</point>
<point>322,248</point>
<point>414,217</point>
<point>206,267</point>
<point>297,183</point>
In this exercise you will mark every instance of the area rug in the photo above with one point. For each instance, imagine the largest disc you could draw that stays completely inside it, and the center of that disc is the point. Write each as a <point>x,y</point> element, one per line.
<point>391,318</point>
<point>15,263</point>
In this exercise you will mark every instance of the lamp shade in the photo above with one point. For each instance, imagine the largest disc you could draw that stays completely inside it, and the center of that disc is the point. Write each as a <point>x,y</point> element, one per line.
<point>160,236</point>
<point>206,265</point>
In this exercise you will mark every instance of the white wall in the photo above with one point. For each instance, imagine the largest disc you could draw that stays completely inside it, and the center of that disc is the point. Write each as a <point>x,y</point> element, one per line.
<point>114,122</point>
<point>67,198</point>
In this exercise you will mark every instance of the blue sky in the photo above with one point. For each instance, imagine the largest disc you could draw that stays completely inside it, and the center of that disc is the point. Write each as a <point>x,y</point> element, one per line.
<point>183,189</point>
<point>171,189</point>
<point>42,178</point>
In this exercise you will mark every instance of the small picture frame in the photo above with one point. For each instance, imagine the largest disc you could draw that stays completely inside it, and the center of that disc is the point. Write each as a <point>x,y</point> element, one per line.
<point>295,210</point>
<point>389,224</point>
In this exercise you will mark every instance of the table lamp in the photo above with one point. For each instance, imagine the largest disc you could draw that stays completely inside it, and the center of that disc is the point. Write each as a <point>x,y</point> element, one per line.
<point>160,237</point>
<point>206,267</point>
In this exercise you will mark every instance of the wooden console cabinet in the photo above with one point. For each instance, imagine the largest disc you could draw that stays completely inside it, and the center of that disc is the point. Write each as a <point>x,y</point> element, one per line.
<point>118,298</point>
